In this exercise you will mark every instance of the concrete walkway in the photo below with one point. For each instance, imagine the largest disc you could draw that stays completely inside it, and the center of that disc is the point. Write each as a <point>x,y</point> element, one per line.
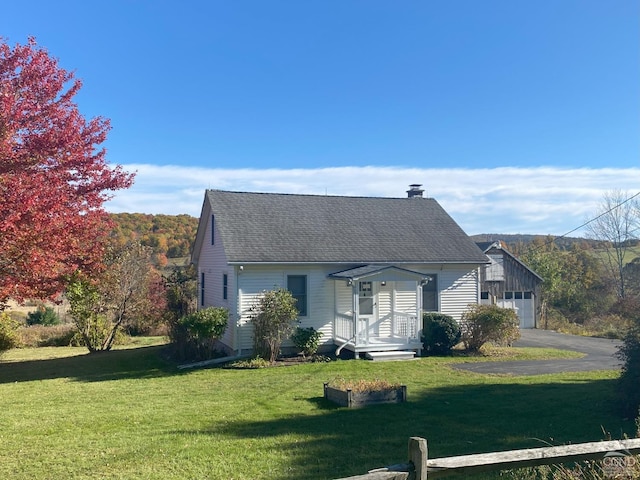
<point>600,355</point>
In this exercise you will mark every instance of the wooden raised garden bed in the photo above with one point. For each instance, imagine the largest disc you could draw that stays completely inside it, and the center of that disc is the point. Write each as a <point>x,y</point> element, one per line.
<point>353,398</point>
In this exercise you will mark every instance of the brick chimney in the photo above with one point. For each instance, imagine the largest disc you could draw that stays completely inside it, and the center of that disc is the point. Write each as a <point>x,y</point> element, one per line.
<point>415,191</point>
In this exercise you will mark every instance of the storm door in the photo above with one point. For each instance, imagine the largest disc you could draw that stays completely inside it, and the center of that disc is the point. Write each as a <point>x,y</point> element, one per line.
<point>367,308</point>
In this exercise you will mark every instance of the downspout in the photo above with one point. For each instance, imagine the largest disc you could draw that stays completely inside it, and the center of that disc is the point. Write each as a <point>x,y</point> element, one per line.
<point>348,342</point>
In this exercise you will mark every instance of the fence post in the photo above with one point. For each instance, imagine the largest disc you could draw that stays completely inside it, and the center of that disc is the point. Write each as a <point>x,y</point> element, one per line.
<point>418,455</point>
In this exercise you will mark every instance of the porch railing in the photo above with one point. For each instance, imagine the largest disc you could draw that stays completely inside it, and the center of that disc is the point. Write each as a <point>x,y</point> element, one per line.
<point>402,325</point>
<point>405,325</point>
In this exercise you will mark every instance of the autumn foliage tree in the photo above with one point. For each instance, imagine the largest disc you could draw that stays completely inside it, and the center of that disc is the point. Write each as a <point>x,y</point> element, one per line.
<point>54,178</point>
<point>127,294</point>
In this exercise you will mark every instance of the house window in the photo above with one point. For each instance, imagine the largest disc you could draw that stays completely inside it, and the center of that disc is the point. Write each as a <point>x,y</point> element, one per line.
<point>495,271</point>
<point>297,285</point>
<point>508,295</point>
<point>430,295</point>
<point>213,229</point>
<point>225,284</point>
<point>518,295</point>
<point>527,295</point>
<point>202,289</point>
<point>484,295</point>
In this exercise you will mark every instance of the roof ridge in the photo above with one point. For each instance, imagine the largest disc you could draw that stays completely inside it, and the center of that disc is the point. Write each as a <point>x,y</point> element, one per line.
<point>314,195</point>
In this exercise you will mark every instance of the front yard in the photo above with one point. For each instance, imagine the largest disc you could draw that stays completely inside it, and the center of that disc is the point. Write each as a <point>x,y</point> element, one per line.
<point>127,414</point>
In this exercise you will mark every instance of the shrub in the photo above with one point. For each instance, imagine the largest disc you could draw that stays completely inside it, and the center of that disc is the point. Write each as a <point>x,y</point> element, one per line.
<point>194,335</point>
<point>440,333</point>
<point>8,333</point>
<point>207,323</point>
<point>608,326</point>
<point>92,331</point>
<point>629,381</point>
<point>251,363</point>
<point>273,319</point>
<point>43,316</point>
<point>306,340</point>
<point>488,323</point>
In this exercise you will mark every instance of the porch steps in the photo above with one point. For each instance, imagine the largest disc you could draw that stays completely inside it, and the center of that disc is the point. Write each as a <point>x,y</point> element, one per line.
<point>390,355</point>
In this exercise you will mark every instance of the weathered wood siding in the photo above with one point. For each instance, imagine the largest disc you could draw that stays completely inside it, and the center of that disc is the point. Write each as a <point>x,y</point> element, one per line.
<point>517,278</point>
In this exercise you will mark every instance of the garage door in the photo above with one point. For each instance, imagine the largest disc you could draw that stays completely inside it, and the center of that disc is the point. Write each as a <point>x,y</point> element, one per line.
<point>523,303</point>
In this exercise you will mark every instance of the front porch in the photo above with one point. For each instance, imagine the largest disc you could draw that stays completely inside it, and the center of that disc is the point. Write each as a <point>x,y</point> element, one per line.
<point>405,337</point>
<point>378,309</point>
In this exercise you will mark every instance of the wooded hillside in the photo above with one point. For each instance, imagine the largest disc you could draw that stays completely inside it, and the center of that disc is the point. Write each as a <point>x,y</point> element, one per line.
<point>170,236</point>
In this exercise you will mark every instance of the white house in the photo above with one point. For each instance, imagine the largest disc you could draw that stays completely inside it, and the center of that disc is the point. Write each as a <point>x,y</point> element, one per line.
<point>362,269</point>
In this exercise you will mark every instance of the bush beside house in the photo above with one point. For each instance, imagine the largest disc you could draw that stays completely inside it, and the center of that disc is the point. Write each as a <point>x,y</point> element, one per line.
<point>306,340</point>
<point>273,319</point>
<point>489,323</point>
<point>440,333</point>
<point>194,335</point>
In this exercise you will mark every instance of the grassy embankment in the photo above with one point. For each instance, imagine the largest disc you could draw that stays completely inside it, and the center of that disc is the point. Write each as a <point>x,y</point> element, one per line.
<point>128,414</point>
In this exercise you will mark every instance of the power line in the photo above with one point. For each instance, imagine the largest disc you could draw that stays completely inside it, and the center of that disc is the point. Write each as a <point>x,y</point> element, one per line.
<point>584,224</point>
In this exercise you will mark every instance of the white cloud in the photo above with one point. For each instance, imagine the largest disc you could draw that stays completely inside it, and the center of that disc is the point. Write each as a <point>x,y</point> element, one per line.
<point>541,200</point>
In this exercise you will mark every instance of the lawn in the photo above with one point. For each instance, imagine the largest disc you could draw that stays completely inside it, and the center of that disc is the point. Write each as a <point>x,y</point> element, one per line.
<point>128,414</point>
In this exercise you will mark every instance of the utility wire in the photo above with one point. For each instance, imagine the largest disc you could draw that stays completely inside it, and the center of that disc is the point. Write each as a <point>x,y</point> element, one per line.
<point>533,250</point>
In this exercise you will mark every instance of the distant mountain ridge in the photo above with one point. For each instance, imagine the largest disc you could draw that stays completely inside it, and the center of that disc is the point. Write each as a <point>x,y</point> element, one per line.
<point>170,236</point>
<point>524,239</point>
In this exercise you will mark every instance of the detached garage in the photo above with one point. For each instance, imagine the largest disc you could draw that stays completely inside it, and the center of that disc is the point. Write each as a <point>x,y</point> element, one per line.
<point>509,283</point>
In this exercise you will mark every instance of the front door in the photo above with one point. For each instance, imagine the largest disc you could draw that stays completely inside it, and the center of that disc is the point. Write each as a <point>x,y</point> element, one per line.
<point>367,310</point>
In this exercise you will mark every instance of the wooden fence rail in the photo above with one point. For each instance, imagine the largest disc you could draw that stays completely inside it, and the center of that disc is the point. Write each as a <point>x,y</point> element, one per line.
<point>420,467</point>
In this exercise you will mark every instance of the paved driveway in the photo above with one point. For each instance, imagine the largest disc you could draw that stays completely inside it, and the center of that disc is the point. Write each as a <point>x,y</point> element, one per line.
<point>600,355</point>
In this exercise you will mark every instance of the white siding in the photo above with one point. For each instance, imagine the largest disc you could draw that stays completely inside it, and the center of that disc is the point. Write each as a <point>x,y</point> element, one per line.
<point>256,279</point>
<point>344,298</point>
<point>383,327</point>
<point>343,313</point>
<point>213,263</point>
<point>405,301</point>
<point>458,289</point>
<point>327,299</point>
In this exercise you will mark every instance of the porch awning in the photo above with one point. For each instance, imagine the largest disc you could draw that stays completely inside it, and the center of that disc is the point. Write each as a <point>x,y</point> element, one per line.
<point>387,273</point>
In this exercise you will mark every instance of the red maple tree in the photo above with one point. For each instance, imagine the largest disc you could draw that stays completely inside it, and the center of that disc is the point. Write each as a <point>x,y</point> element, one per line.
<point>53,178</point>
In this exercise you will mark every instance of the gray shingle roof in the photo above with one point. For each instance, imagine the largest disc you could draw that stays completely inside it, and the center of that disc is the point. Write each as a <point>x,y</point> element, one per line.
<point>282,228</point>
<point>366,271</point>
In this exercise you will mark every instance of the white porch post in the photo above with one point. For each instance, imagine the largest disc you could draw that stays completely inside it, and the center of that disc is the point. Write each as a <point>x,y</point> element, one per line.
<point>393,308</point>
<point>419,310</point>
<point>355,309</point>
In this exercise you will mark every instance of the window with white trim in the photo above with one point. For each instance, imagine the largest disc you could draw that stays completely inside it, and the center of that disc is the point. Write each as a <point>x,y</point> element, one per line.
<point>494,272</point>
<point>297,285</point>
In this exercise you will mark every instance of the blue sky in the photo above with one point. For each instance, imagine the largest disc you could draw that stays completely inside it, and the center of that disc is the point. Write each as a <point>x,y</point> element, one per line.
<point>517,116</point>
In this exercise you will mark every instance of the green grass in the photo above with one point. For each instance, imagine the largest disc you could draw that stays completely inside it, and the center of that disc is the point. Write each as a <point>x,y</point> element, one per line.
<point>127,414</point>
<point>630,254</point>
